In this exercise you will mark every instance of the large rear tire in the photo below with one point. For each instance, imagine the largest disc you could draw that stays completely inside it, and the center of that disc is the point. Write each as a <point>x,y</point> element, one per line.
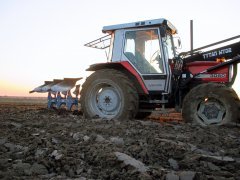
<point>109,94</point>
<point>211,104</point>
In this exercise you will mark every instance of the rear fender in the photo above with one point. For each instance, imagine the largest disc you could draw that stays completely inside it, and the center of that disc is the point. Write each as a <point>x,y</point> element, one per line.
<point>127,69</point>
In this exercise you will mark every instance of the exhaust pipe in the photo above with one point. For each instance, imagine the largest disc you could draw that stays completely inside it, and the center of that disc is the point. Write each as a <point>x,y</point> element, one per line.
<point>191,36</point>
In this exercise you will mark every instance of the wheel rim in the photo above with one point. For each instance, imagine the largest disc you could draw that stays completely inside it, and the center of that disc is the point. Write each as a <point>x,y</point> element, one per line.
<point>211,111</point>
<point>105,100</point>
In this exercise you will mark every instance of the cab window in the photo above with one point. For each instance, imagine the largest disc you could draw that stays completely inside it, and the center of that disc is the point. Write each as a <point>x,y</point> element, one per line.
<point>143,50</point>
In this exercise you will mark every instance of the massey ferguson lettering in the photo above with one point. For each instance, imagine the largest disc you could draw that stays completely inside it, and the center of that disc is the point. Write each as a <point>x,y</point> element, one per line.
<point>217,53</point>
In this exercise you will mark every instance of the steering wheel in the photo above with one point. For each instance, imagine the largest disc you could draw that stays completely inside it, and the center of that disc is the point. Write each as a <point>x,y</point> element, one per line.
<point>154,56</point>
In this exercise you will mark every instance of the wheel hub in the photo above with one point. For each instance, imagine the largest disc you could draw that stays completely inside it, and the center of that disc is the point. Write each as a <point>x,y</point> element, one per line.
<point>108,101</point>
<point>211,112</point>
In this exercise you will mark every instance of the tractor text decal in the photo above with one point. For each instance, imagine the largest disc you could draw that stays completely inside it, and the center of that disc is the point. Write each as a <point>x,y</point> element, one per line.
<point>217,53</point>
<point>211,76</point>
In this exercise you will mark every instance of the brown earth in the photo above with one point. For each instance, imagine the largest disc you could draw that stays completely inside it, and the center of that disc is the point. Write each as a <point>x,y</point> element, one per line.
<point>37,143</point>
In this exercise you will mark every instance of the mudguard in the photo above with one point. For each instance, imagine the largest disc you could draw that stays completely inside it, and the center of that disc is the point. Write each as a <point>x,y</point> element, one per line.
<point>125,67</point>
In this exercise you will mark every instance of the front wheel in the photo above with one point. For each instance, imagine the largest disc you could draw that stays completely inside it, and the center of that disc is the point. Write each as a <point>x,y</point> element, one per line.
<point>211,104</point>
<point>109,94</point>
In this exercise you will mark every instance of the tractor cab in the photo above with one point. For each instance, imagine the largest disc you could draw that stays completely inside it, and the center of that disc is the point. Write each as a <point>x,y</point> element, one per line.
<point>147,46</point>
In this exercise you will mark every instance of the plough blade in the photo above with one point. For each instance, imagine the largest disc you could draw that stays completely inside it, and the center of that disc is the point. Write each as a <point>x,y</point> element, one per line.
<point>48,87</point>
<point>66,85</point>
<point>59,92</point>
<point>39,88</point>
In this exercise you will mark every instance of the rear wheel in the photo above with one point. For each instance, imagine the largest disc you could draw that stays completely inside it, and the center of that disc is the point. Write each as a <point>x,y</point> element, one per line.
<point>109,94</point>
<point>211,104</point>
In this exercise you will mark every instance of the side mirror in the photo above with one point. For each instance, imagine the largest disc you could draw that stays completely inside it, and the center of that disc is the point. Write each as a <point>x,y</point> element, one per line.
<point>177,42</point>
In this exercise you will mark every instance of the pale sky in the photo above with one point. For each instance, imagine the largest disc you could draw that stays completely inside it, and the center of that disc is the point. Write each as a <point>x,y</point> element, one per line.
<point>43,39</point>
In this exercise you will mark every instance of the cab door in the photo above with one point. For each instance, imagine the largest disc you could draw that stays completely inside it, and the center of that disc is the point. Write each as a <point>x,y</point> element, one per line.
<point>143,49</point>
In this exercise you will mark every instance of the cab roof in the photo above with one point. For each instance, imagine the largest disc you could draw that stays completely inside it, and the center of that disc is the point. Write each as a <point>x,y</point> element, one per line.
<point>146,23</point>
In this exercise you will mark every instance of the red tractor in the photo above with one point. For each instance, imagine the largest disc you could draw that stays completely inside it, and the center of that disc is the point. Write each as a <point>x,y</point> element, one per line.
<point>144,73</point>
